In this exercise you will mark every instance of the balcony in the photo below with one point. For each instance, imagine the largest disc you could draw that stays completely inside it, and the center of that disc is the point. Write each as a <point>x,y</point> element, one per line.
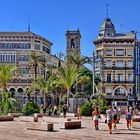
<point>118,68</point>
<point>108,68</point>
<point>24,81</point>
<point>115,97</point>
<point>119,82</point>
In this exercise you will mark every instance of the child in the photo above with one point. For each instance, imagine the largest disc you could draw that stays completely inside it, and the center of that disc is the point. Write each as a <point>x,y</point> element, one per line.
<point>78,111</point>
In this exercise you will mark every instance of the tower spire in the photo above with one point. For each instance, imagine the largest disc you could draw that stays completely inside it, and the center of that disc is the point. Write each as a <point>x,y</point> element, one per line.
<point>29,26</point>
<point>107,10</point>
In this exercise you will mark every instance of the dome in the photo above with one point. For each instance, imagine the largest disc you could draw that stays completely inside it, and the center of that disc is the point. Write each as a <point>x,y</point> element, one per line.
<point>107,29</point>
<point>107,24</point>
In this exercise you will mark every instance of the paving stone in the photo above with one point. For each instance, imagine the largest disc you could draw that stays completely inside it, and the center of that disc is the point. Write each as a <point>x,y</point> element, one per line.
<point>16,130</point>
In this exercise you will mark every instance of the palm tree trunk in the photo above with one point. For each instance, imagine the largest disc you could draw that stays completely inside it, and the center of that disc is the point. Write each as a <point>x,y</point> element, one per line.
<point>68,91</point>
<point>36,98</point>
<point>45,99</point>
<point>35,71</point>
<point>28,97</point>
<point>3,87</point>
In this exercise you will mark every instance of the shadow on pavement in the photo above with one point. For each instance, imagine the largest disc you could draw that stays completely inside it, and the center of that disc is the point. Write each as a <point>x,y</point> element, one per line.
<point>125,133</point>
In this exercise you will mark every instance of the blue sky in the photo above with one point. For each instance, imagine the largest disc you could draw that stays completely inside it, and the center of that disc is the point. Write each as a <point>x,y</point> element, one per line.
<point>51,18</point>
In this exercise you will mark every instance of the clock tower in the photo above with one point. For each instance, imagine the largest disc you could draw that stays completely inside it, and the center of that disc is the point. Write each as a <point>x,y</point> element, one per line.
<point>73,42</point>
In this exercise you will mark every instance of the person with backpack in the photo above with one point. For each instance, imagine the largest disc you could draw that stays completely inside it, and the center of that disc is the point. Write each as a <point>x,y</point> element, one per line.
<point>96,117</point>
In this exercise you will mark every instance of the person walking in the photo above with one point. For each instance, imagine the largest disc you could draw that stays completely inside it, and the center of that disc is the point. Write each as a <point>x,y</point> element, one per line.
<point>64,107</point>
<point>115,117</point>
<point>78,111</point>
<point>128,114</point>
<point>55,110</point>
<point>43,107</point>
<point>96,117</point>
<point>109,115</point>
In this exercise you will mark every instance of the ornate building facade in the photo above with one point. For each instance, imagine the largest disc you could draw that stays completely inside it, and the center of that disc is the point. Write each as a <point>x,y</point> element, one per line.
<point>115,62</point>
<point>15,49</point>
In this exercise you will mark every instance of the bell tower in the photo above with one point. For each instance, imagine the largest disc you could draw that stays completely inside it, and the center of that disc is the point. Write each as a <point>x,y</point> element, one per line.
<point>73,42</point>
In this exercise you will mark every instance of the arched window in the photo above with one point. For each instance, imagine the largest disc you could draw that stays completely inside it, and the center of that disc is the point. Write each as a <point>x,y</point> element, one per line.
<point>20,90</point>
<point>120,91</point>
<point>12,90</point>
<point>72,43</point>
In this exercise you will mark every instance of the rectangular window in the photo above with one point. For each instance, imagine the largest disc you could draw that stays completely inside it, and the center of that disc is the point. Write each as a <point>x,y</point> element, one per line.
<point>120,63</point>
<point>130,53</point>
<point>108,52</point>
<point>23,58</point>
<point>129,63</point>
<point>24,71</point>
<point>130,77</point>
<point>37,47</point>
<point>120,77</point>
<point>108,63</point>
<point>46,50</point>
<point>108,78</point>
<point>12,58</point>
<point>119,52</point>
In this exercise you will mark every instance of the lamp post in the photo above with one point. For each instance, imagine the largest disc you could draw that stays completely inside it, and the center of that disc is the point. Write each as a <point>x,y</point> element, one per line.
<point>93,72</point>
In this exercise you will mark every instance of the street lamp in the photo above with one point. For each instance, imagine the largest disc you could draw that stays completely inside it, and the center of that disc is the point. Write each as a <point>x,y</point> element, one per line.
<point>93,71</point>
<point>93,75</point>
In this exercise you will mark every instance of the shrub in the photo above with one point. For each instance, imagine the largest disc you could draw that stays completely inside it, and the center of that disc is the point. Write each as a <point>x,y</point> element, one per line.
<point>30,108</point>
<point>86,109</point>
<point>8,103</point>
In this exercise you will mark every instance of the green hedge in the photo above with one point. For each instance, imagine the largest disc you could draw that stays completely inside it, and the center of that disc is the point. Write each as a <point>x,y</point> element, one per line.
<point>30,108</point>
<point>87,109</point>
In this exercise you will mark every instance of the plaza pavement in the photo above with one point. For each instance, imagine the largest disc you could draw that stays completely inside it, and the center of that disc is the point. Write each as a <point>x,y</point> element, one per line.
<point>18,131</point>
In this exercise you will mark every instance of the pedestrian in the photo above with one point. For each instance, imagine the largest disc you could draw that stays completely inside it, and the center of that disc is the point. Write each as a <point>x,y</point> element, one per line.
<point>43,107</point>
<point>96,117</point>
<point>64,107</point>
<point>119,113</point>
<point>55,110</point>
<point>109,114</point>
<point>78,111</point>
<point>128,114</point>
<point>115,117</point>
<point>50,110</point>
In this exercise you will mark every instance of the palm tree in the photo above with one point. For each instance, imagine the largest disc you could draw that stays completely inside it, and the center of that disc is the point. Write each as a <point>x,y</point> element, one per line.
<point>6,73</point>
<point>35,61</point>
<point>28,91</point>
<point>67,75</point>
<point>79,61</point>
<point>44,86</point>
